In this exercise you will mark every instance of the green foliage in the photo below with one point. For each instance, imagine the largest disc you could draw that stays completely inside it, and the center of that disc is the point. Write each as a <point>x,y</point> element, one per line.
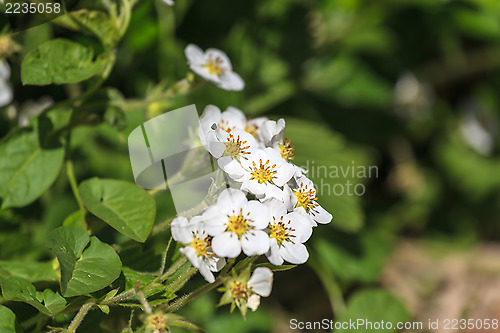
<point>20,290</point>
<point>87,264</point>
<point>332,69</point>
<point>8,323</point>
<point>124,206</point>
<point>374,305</point>
<point>59,61</point>
<point>30,170</point>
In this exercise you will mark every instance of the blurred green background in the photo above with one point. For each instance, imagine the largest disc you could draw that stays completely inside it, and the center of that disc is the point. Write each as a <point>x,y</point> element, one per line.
<point>410,87</point>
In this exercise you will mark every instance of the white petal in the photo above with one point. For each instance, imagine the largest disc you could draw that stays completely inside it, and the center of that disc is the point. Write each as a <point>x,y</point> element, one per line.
<point>214,225</point>
<point>206,272</point>
<point>290,198</point>
<point>273,192</point>
<point>302,226</point>
<point>255,242</point>
<point>215,53</point>
<point>294,253</point>
<point>253,302</point>
<point>231,197</point>
<point>261,281</point>
<point>169,2</point>
<point>190,253</point>
<point>284,173</point>
<point>219,263</point>
<point>4,70</point>
<point>235,117</point>
<point>195,55</point>
<point>303,212</point>
<point>231,81</point>
<point>258,213</point>
<point>254,187</point>
<point>320,215</point>
<point>227,245</point>
<point>181,232</point>
<point>273,255</point>
<point>231,167</point>
<point>276,208</point>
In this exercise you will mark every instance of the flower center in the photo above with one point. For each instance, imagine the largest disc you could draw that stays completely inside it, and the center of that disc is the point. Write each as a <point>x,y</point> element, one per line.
<point>238,223</point>
<point>287,151</point>
<point>214,66</point>
<point>264,173</point>
<point>239,290</point>
<point>252,129</point>
<point>224,125</point>
<point>306,198</point>
<point>281,232</point>
<point>234,147</point>
<point>201,245</point>
<point>157,322</point>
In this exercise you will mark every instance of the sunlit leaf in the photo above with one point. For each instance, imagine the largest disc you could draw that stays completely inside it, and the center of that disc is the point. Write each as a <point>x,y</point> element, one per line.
<point>87,264</point>
<point>123,205</point>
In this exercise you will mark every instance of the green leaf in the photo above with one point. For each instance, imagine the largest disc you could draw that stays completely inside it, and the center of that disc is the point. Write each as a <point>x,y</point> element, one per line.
<point>99,24</point>
<point>103,308</point>
<point>75,220</point>
<point>87,264</point>
<point>358,257</point>
<point>123,205</point>
<point>373,306</point>
<point>8,322</point>
<point>59,61</point>
<point>31,271</point>
<point>20,290</point>
<point>276,268</point>
<point>26,168</point>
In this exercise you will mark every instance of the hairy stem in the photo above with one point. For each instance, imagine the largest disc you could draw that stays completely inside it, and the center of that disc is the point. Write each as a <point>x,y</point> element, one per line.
<point>80,316</point>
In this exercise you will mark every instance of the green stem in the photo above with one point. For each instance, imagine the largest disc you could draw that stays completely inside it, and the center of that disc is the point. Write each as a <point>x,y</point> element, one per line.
<point>194,295</point>
<point>80,316</point>
<point>32,321</point>
<point>180,88</point>
<point>332,287</point>
<point>182,279</point>
<point>144,302</point>
<point>122,297</point>
<point>171,270</point>
<point>74,186</point>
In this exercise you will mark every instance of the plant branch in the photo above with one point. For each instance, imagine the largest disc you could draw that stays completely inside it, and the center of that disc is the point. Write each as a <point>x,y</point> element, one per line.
<point>80,316</point>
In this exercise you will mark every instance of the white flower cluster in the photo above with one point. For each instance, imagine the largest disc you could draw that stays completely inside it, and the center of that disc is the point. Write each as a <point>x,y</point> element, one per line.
<point>271,206</point>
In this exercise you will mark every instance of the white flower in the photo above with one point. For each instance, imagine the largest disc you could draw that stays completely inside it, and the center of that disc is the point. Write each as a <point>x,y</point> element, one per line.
<point>231,119</point>
<point>262,173</point>
<point>5,89</point>
<point>198,249</point>
<point>214,66</point>
<point>303,200</point>
<point>168,2</point>
<point>237,224</point>
<point>230,148</point>
<point>245,291</point>
<point>287,232</point>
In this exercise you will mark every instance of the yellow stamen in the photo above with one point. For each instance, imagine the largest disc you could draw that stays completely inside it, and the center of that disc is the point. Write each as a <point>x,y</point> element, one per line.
<point>264,173</point>
<point>201,246</point>
<point>239,290</point>
<point>287,151</point>
<point>238,223</point>
<point>235,147</point>
<point>281,232</point>
<point>214,66</point>
<point>306,198</point>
